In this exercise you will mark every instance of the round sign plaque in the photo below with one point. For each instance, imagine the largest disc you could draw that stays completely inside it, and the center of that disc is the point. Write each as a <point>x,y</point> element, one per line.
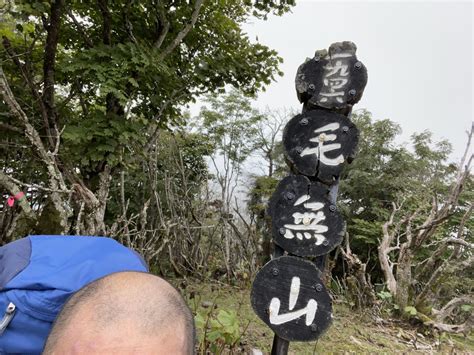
<point>304,221</point>
<point>318,143</point>
<point>289,296</point>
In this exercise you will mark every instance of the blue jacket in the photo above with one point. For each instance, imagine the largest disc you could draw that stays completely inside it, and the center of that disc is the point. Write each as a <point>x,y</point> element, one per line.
<point>38,274</point>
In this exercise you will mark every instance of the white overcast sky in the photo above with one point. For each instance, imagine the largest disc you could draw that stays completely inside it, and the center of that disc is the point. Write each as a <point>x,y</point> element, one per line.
<point>419,56</point>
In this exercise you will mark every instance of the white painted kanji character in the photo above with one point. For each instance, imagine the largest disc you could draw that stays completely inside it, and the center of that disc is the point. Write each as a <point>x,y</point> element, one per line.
<point>310,309</point>
<point>334,80</point>
<point>334,69</point>
<point>307,224</point>
<point>321,149</point>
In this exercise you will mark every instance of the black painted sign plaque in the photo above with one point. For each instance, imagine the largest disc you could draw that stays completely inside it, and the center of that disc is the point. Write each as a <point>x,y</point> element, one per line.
<point>304,221</point>
<point>332,79</point>
<point>319,142</point>
<point>289,296</point>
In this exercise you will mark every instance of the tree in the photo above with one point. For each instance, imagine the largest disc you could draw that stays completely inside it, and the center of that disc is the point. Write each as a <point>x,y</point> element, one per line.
<point>268,143</point>
<point>374,178</point>
<point>87,88</point>
<point>270,149</point>
<point>231,123</point>
<point>428,236</point>
<point>408,214</point>
<point>163,206</point>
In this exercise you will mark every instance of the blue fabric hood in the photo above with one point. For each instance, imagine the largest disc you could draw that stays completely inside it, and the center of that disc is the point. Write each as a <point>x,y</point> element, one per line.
<point>40,284</point>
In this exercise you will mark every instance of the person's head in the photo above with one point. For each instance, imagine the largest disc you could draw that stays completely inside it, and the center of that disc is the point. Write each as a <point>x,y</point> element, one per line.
<point>124,313</point>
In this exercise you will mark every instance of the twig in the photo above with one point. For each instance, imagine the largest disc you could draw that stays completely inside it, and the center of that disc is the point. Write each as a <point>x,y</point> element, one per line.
<point>164,23</point>
<point>49,60</point>
<point>183,32</point>
<point>81,31</point>
<point>35,186</point>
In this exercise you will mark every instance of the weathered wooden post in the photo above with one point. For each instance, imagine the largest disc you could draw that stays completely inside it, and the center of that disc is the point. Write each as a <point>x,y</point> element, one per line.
<point>288,293</point>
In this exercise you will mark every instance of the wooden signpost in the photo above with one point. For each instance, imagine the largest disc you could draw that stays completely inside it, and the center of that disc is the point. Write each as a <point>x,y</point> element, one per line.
<point>287,293</point>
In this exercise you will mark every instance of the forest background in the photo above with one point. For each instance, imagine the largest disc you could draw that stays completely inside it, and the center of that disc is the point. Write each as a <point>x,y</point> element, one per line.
<point>97,133</point>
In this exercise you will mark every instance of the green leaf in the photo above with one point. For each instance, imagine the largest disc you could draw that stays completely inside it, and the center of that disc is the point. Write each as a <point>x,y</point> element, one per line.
<point>410,310</point>
<point>199,321</point>
<point>384,295</point>
<point>133,82</point>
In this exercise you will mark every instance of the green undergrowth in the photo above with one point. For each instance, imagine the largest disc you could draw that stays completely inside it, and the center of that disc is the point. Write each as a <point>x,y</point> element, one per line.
<point>232,327</point>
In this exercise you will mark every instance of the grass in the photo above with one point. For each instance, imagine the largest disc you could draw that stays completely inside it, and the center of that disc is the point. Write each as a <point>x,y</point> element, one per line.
<point>350,333</point>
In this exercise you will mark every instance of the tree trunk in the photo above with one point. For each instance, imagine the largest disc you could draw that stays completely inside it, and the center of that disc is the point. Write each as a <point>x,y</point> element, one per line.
<point>404,278</point>
<point>359,281</point>
<point>383,254</point>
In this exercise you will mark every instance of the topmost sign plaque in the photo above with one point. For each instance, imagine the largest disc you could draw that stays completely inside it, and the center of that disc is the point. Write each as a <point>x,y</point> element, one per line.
<point>333,79</point>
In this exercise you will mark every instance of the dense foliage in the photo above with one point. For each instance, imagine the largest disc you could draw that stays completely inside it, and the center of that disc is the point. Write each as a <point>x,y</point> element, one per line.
<point>95,85</point>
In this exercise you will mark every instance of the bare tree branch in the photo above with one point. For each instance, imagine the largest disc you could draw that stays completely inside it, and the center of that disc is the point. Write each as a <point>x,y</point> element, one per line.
<point>447,310</point>
<point>80,29</point>
<point>56,180</point>
<point>366,295</point>
<point>154,135</point>
<point>440,215</point>
<point>163,25</point>
<point>106,25</point>
<point>128,24</point>
<point>180,36</point>
<point>10,127</point>
<point>49,61</point>
<point>384,249</point>
<point>13,188</point>
<point>26,74</point>
<point>34,186</point>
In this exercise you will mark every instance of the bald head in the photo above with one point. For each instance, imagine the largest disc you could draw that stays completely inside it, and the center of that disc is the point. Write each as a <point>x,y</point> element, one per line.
<point>124,313</point>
